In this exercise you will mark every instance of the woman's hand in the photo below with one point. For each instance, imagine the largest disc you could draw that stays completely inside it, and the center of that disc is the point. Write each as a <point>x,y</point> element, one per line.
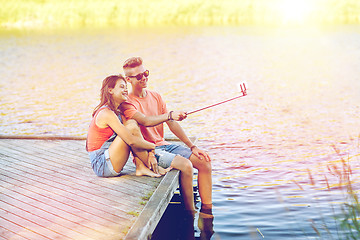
<point>152,163</point>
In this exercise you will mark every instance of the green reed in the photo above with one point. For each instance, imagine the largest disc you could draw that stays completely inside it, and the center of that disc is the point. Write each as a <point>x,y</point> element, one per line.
<point>346,216</point>
<point>347,221</point>
<point>40,14</point>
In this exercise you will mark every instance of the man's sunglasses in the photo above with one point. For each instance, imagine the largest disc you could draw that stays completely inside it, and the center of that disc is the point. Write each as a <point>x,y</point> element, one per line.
<point>140,75</point>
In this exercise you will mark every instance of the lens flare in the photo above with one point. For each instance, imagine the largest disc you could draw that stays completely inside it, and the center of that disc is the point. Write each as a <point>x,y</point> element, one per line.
<point>295,11</point>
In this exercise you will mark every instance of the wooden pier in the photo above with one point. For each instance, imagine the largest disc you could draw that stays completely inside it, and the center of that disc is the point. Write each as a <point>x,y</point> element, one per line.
<point>49,191</point>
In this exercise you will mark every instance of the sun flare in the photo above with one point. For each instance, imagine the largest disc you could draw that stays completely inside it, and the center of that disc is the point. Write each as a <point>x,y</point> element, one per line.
<point>295,11</point>
<point>98,13</point>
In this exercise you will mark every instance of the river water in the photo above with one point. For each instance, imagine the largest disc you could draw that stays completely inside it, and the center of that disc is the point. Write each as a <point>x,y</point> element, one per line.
<point>271,150</point>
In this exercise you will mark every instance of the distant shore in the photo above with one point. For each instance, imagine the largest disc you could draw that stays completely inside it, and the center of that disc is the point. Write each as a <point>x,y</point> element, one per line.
<point>56,14</point>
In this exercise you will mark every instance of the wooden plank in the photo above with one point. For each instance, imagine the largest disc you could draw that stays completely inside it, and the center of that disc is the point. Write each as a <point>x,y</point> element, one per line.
<point>30,181</point>
<point>49,220</point>
<point>54,161</point>
<point>49,191</point>
<point>31,224</point>
<point>51,184</point>
<point>42,137</point>
<point>68,174</point>
<point>11,229</point>
<point>65,199</point>
<point>41,174</point>
<point>45,149</point>
<point>39,179</point>
<point>155,208</point>
<point>63,203</point>
<point>68,209</point>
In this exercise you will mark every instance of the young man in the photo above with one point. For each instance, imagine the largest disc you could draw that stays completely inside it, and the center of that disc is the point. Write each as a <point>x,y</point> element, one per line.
<point>150,112</point>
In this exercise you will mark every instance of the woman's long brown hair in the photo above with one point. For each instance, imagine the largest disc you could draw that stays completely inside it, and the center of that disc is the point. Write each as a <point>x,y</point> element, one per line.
<point>105,96</point>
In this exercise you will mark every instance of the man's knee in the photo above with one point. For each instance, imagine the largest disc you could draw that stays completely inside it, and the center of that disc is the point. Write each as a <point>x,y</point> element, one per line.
<point>188,165</point>
<point>206,166</point>
<point>202,165</point>
<point>183,164</point>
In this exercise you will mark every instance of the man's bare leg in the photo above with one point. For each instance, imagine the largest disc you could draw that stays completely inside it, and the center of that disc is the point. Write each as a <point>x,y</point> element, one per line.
<point>204,179</point>
<point>186,181</point>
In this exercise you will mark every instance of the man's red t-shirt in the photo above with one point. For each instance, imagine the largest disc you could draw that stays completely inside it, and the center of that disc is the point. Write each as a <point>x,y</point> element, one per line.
<point>151,105</point>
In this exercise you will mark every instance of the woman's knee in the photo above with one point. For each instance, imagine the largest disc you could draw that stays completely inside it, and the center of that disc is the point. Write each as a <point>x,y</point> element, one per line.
<point>118,148</point>
<point>119,153</point>
<point>133,127</point>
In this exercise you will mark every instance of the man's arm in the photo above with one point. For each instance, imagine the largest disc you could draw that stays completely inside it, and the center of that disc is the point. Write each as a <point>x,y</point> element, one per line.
<point>150,121</point>
<point>178,131</point>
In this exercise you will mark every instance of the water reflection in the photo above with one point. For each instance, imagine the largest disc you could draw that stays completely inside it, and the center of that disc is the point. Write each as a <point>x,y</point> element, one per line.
<point>176,223</point>
<point>303,100</point>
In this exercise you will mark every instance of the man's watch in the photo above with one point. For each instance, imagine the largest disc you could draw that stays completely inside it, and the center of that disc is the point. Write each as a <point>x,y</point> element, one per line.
<point>193,146</point>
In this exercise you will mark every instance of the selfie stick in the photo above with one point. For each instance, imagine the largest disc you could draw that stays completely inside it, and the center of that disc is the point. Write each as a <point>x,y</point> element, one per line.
<point>242,89</point>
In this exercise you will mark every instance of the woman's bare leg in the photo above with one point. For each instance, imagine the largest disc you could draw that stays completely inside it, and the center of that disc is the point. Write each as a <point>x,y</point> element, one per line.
<point>141,154</point>
<point>119,153</point>
<point>142,170</point>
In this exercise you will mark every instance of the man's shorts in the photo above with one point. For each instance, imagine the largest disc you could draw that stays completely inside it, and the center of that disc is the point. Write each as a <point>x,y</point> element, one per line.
<point>165,154</point>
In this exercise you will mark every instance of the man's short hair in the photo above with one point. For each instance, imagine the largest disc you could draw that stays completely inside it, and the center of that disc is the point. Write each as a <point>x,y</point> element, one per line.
<point>132,62</point>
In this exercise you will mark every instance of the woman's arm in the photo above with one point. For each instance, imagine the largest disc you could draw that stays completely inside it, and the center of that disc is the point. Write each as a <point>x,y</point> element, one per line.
<point>107,118</point>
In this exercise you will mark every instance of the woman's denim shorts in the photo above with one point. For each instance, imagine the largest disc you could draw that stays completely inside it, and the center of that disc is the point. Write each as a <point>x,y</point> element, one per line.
<point>101,164</point>
<point>100,161</point>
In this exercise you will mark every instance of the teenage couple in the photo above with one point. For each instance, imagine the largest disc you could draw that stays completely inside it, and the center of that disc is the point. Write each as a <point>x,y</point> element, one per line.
<point>134,121</point>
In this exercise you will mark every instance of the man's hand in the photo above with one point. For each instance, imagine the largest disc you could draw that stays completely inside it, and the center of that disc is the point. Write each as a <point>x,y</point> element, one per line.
<point>201,154</point>
<point>152,162</point>
<point>178,115</point>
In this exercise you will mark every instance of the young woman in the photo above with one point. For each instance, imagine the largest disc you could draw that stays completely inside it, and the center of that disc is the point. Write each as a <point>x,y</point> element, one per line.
<point>109,142</point>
